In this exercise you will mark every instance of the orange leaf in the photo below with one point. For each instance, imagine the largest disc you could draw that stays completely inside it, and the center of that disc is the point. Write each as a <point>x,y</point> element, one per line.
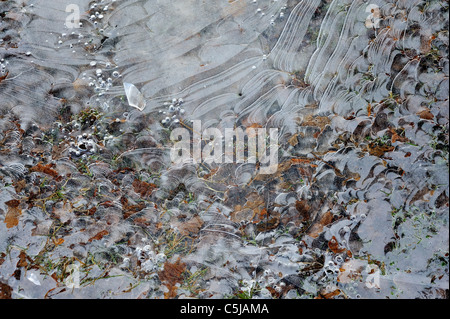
<point>46,169</point>
<point>395,137</point>
<point>13,213</point>
<point>425,114</point>
<point>193,226</point>
<point>379,150</point>
<point>171,275</point>
<point>334,246</point>
<point>58,242</point>
<point>269,223</point>
<point>329,295</point>
<point>143,188</point>
<point>300,161</point>
<point>99,236</point>
<point>3,77</point>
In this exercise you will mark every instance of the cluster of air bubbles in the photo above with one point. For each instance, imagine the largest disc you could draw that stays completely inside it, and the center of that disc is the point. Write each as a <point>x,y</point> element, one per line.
<point>97,14</point>
<point>265,285</point>
<point>281,16</point>
<point>68,41</point>
<point>150,261</point>
<point>331,268</point>
<point>273,17</point>
<point>3,64</point>
<point>85,145</point>
<point>102,79</point>
<point>282,12</point>
<point>173,112</point>
<point>357,218</point>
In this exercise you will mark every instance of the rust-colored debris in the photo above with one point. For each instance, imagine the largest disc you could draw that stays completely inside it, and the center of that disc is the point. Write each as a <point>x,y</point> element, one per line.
<point>99,236</point>
<point>191,227</point>
<point>172,275</point>
<point>5,291</point>
<point>20,185</point>
<point>303,208</point>
<point>128,209</point>
<point>143,188</point>
<point>334,246</point>
<point>329,295</point>
<point>426,114</point>
<point>46,169</point>
<point>379,150</point>
<point>316,121</point>
<point>3,77</point>
<point>317,228</point>
<point>271,222</point>
<point>13,213</point>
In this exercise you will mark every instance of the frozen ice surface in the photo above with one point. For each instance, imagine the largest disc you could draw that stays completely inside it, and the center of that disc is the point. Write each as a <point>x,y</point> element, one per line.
<point>357,207</point>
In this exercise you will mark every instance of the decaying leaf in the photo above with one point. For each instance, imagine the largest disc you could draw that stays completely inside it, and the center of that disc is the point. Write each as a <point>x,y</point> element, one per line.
<point>171,275</point>
<point>293,140</point>
<point>334,246</point>
<point>379,150</point>
<point>271,222</point>
<point>143,188</point>
<point>99,235</point>
<point>13,213</point>
<point>351,271</point>
<point>3,77</point>
<point>252,210</point>
<point>329,295</point>
<point>426,114</point>
<point>46,169</point>
<point>20,185</point>
<point>128,209</point>
<point>63,211</point>
<point>316,121</point>
<point>5,291</point>
<point>193,226</point>
<point>397,137</point>
<point>317,228</point>
<point>24,260</point>
<point>211,173</point>
<point>303,208</point>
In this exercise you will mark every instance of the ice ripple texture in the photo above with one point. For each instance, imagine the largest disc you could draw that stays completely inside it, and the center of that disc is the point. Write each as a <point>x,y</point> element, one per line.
<point>357,208</point>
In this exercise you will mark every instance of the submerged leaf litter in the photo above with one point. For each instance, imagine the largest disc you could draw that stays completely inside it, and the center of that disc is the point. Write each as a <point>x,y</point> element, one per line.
<point>92,207</point>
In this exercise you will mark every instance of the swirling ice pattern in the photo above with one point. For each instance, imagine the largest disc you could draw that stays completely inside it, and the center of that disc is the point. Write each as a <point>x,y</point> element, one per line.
<point>362,115</point>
